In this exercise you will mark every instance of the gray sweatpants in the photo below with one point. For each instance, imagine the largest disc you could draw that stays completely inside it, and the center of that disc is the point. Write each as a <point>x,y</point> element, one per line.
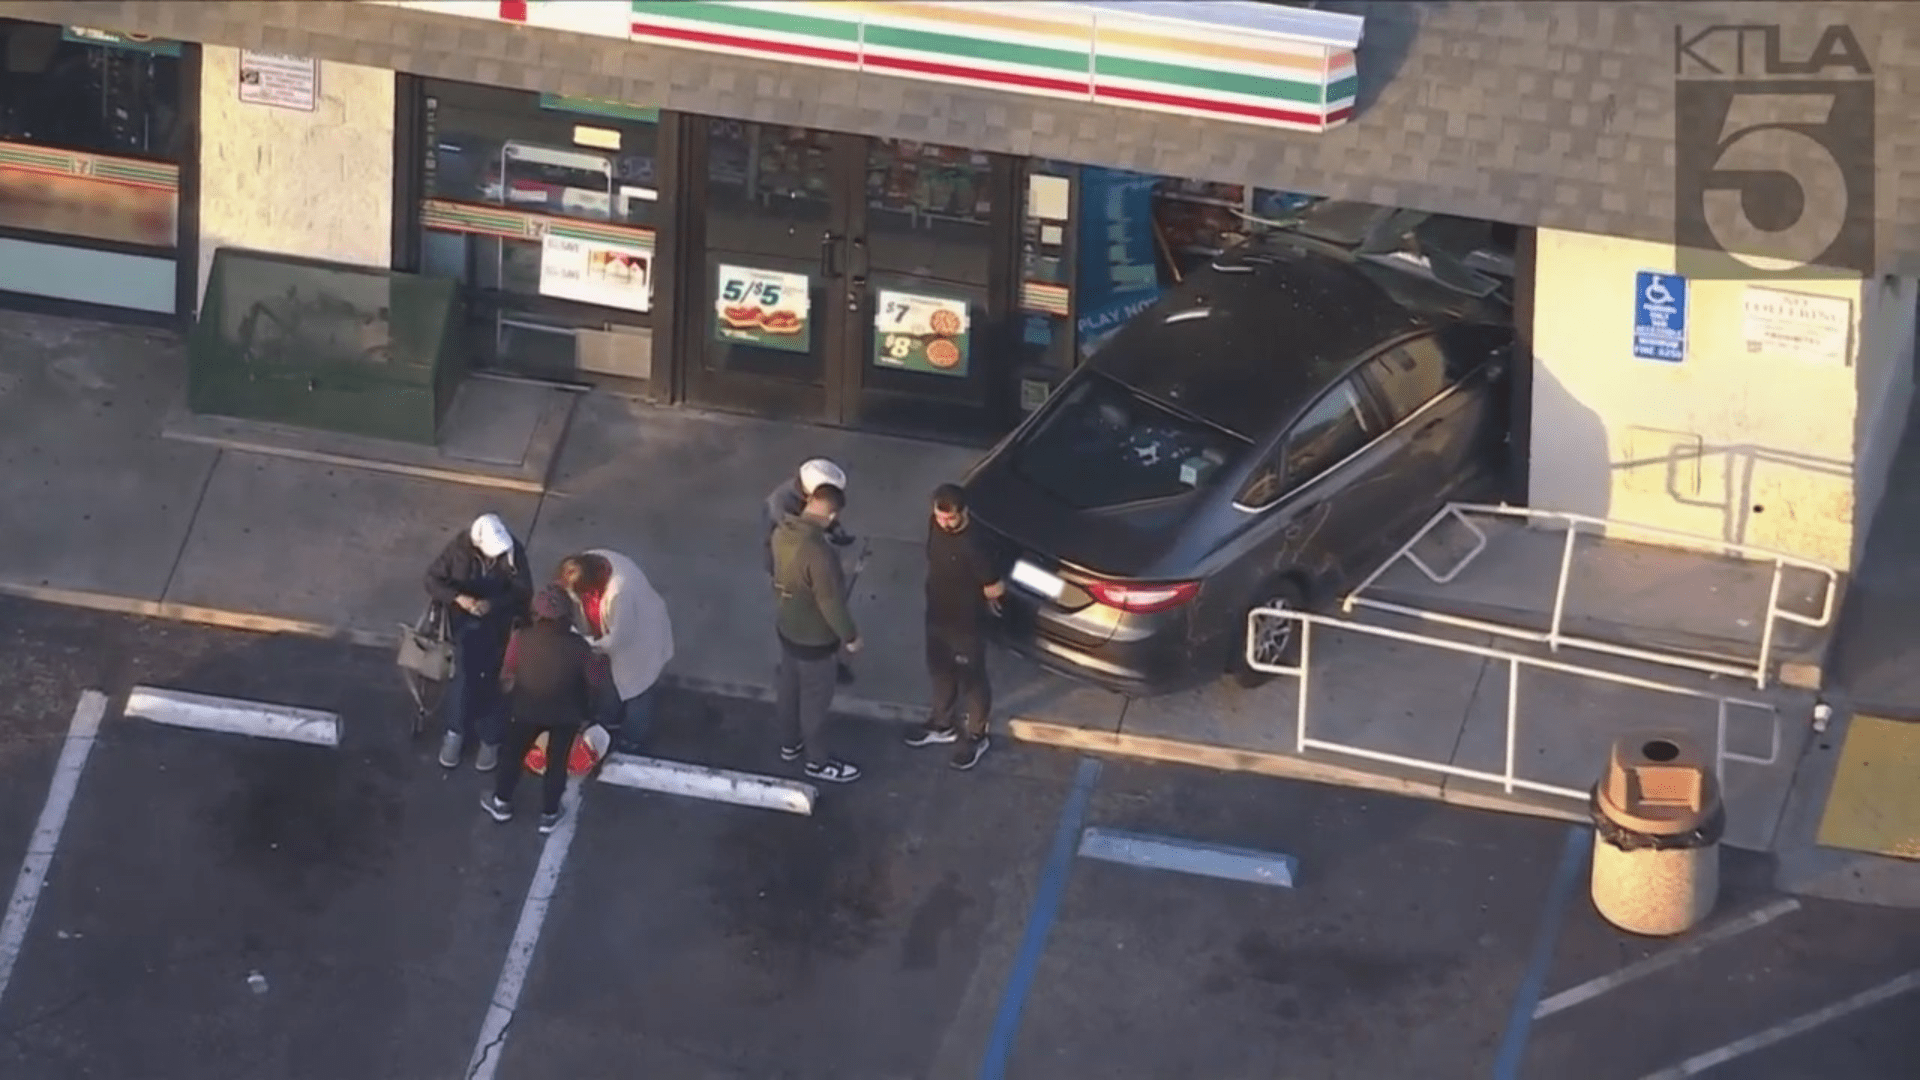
<point>802,697</point>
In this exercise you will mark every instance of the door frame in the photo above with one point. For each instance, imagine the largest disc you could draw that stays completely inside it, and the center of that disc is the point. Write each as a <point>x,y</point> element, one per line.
<point>846,273</point>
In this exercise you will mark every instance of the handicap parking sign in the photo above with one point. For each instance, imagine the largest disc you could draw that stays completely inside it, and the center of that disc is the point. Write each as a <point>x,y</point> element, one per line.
<point>1659,317</point>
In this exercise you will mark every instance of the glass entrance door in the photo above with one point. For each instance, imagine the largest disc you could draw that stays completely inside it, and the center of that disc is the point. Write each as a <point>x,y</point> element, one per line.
<point>854,281</point>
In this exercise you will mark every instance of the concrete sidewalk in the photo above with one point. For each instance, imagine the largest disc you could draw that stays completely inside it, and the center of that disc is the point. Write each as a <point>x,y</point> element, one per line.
<point>121,505</point>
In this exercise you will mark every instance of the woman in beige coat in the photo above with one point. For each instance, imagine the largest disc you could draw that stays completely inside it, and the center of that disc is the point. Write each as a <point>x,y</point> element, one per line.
<point>617,610</point>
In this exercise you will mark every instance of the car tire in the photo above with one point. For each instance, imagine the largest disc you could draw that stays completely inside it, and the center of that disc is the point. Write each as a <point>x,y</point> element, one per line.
<point>1284,593</point>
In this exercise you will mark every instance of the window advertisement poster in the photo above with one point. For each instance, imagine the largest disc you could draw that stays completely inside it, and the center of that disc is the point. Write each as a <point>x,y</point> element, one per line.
<point>766,308</point>
<point>915,332</point>
<point>1119,266</point>
<point>602,272</point>
<point>279,80</point>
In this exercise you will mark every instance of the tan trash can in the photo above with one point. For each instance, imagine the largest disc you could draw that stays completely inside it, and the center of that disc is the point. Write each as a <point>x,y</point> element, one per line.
<point>1657,823</point>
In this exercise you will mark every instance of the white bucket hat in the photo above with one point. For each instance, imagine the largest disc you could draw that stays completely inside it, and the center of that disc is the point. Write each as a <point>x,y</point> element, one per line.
<point>821,471</point>
<point>490,535</point>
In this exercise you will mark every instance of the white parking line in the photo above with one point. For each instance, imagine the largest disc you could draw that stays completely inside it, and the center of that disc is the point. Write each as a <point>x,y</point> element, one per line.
<point>81,732</point>
<point>177,708</point>
<point>1593,988</point>
<point>703,782</point>
<point>1700,1063</point>
<point>1188,857</point>
<point>492,1042</point>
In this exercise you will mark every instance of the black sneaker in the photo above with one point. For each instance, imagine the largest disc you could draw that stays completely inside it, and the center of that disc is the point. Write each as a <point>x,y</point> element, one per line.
<point>932,736</point>
<point>497,810</point>
<point>834,772</point>
<point>550,822</point>
<point>967,754</point>
<point>793,752</point>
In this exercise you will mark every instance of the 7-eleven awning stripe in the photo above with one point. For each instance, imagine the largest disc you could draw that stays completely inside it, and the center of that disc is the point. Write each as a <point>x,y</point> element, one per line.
<point>513,10</point>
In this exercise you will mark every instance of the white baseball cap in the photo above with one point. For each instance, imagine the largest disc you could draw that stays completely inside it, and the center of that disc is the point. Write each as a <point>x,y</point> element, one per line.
<point>490,535</point>
<point>821,471</point>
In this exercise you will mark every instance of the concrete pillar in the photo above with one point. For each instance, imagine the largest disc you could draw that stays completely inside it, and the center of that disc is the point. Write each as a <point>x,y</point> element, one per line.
<point>1783,446</point>
<point>314,184</point>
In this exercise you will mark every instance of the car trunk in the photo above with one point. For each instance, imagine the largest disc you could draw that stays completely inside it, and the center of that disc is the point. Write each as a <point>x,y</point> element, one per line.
<point>1121,543</point>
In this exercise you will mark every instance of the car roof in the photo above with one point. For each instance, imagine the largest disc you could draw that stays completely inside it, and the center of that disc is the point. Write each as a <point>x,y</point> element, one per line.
<point>1249,341</point>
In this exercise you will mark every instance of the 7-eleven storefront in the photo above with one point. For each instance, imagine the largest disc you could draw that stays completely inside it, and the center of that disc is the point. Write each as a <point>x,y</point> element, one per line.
<point>920,286</point>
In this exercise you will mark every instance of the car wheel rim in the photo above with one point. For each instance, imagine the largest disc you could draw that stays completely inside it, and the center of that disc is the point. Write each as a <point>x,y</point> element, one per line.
<point>1275,635</point>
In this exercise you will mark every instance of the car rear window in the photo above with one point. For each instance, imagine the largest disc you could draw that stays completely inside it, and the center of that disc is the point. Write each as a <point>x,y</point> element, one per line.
<point>1102,445</point>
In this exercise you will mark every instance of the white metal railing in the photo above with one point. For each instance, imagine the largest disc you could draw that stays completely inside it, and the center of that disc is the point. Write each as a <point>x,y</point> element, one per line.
<point>1305,622</point>
<point>1555,636</point>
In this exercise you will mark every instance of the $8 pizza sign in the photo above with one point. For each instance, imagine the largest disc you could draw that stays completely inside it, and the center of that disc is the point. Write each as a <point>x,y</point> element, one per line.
<point>924,333</point>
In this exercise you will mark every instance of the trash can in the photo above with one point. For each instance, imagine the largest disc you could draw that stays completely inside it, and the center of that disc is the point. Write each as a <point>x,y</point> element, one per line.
<point>1657,823</point>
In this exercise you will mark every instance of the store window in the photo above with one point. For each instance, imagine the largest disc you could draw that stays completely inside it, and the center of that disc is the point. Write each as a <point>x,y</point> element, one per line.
<point>1047,245</point>
<point>91,133</point>
<point>545,206</point>
<point>1141,234</point>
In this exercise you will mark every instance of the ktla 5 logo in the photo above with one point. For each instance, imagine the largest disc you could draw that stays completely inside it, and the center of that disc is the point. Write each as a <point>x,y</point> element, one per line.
<point>1774,156</point>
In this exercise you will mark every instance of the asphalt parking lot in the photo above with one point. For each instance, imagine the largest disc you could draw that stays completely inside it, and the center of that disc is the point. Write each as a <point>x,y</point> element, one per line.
<point>921,924</point>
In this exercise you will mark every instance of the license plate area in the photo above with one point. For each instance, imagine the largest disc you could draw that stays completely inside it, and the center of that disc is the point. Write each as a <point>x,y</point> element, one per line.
<point>1035,580</point>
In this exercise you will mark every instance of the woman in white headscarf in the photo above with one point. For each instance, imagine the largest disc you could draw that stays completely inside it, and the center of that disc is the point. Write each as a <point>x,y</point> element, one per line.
<point>625,621</point>
<point>482,578</point>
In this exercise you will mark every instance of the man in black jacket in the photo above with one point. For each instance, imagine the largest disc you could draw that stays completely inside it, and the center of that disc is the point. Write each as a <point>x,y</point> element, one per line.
<point>483,579</point>
<point>549,688</point>
<point>963,585</point>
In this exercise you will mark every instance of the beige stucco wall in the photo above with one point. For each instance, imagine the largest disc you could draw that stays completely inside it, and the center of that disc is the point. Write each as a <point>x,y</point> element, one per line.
<point>1756,450</point>
<point>316,184</point>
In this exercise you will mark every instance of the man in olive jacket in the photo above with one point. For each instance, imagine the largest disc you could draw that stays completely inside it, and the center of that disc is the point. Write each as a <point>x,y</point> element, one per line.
<point>811,617</point>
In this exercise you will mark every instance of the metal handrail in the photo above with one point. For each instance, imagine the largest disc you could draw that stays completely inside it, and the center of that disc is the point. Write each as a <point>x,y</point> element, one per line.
<point>1555,636</point>
<point>1509,782</point>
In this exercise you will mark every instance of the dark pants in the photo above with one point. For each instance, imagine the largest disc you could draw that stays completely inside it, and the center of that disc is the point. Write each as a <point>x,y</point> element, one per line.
<point>802,697</point>
<point>474,705</point>
<point>553,784</point>
<point>629,720</point>
<point>957,667</point>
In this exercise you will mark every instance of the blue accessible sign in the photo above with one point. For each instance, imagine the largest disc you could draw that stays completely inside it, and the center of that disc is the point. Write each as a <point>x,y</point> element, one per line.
<point>1659,317</point>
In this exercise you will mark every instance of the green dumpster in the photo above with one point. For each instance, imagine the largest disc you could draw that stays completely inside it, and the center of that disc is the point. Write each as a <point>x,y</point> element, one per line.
<point>321,345</point>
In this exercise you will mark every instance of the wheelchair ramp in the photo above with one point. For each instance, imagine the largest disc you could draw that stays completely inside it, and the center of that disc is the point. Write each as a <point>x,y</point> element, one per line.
<point>1592,585</point>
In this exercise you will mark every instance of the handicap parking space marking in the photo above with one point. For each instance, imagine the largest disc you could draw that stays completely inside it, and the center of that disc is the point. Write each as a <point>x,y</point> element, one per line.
<point>1781,1032</point>
<point>1553,913</point>
<point>82,732</point>
<point>1046,908</point>
<point>1189,857</point>
<point>706,782</point>
<point>235,716</point>
<point>1593,988</point>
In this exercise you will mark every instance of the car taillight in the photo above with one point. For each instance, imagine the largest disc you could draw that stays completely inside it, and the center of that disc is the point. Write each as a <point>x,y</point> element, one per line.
<point>1144,599</point>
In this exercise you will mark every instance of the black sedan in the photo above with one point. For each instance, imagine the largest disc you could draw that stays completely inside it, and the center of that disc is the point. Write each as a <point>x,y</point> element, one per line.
<point>1262,436</point>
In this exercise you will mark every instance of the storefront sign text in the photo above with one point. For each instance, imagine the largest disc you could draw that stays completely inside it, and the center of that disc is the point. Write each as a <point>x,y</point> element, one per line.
<point>921,333</point>
<point>114,39</point>
<point>1659,316</point>
<point>596,272</point>
<point>279,80</point>
<point>766,308</point>
<point>1797,326</point>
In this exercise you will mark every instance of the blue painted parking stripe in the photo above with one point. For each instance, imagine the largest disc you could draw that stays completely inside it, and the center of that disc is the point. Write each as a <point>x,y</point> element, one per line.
<point>1189,857</point>
<point>1046,905</point>
<point>1513,1044</point>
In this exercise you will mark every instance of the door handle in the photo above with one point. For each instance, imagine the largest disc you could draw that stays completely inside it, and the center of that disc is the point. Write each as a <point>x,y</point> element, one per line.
<point>828,270</point>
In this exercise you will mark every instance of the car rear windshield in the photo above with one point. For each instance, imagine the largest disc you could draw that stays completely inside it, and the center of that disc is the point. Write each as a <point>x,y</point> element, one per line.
<point>1103,445</point>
